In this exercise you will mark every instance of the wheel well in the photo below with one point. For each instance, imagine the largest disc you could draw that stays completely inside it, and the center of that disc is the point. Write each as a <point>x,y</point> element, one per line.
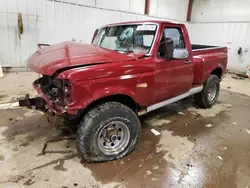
<point>123,99</point>
<point>217,72</point>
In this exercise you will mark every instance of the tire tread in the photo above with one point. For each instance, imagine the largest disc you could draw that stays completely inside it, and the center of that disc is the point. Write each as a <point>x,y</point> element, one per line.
<point>200,98</point>
<point>84,132</point>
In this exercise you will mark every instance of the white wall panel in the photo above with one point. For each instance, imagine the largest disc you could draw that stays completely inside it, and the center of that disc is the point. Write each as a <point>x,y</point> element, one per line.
<point>223,23</point>
<point>171,9</point>
<point>85,2</point>
<point>137,6</point>
<point>232,35</point>
<point>114,4</point>
<point>220,10</point>
<point>14,51</point>
<point>153,7</point>
<point>53,21</point>
<point>65,21</point>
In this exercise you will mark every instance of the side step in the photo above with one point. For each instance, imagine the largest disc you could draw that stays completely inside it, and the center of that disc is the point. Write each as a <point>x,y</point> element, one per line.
<point>172,100</point>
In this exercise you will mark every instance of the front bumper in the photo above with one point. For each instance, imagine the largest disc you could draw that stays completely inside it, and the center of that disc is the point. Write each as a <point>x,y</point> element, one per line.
<point>55,107</point>
<point>42,103</point>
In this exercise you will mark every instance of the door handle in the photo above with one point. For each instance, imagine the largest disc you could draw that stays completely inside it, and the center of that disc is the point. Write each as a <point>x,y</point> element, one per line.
<point>188,62</point>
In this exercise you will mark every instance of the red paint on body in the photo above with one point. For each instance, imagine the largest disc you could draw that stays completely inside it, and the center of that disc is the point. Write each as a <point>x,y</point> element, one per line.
<point>95,72</point>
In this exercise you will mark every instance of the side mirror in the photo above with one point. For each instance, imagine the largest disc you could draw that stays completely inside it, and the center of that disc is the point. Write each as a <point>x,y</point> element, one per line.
<point>95,33</point>
<point>180,53</point>
<point>169,48</point>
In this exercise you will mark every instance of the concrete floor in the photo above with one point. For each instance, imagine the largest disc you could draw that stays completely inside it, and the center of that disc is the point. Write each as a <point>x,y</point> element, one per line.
<point>15,85</point>
<point>197,148</point>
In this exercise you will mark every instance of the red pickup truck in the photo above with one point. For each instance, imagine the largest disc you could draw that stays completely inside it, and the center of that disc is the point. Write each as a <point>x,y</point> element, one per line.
<point>129,69</point>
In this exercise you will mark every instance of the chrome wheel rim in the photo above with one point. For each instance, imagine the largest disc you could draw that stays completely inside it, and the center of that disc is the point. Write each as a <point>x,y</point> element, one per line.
<point>212,92</point>
<point>113,138</point>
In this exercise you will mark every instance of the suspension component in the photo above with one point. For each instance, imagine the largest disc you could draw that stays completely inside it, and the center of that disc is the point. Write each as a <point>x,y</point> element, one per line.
<point>37,102</point>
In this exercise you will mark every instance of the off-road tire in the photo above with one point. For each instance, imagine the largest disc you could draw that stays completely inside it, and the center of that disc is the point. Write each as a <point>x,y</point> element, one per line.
<point>93,122</point>
<point>202,99</point>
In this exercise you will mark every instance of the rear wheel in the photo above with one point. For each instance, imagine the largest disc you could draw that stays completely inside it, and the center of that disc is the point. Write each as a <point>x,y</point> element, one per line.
<point>208,96</point>
<point>107,132</point>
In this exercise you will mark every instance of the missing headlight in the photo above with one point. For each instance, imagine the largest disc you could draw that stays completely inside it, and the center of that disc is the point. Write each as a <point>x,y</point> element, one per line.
<point>58,83</point>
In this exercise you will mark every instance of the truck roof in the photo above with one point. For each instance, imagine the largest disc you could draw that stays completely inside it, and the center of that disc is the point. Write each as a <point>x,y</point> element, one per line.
<point>142,21</point>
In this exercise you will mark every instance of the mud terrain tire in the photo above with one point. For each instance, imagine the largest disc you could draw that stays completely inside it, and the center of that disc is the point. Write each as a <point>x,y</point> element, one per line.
<point>208,96</point>
<point>103,128</point>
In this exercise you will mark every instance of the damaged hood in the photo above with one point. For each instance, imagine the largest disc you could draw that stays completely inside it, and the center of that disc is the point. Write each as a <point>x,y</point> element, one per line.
<point>68,55</point>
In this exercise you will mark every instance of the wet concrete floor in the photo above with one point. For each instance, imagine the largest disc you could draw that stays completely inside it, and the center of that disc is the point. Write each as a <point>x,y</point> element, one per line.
<point>197,148</point>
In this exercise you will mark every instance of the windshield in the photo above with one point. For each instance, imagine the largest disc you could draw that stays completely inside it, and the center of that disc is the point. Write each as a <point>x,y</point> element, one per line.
<point>127,38</point>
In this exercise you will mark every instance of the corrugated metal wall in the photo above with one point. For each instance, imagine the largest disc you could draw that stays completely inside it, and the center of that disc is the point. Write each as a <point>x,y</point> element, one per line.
<point>14,51</point>
<point>52,21</point>
<point>64,21</point>
<point>220,10</point>
<point>175,9</point>
<point>232,35</point>
<point>224,23</point>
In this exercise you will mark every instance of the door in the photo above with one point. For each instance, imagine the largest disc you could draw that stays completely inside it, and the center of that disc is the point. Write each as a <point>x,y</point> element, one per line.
<point>174,76</point>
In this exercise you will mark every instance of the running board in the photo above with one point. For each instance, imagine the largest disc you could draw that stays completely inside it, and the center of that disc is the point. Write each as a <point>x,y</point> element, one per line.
<point>172,100</point>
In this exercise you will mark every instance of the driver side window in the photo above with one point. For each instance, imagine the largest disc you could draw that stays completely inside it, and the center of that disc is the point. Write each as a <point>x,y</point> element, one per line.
<point>176,35</point>
<point>172,45</point>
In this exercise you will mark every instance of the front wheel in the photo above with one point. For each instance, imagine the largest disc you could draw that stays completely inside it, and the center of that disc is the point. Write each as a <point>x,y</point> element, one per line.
<point>208,96</point>
<point>107,132</point>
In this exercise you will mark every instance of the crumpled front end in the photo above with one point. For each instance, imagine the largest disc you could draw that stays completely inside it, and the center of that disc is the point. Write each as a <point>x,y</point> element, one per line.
<point>55,92</point>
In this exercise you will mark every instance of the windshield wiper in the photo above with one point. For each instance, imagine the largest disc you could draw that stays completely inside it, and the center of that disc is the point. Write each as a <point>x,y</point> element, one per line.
<point>143,55</point>
<point>130,51</point>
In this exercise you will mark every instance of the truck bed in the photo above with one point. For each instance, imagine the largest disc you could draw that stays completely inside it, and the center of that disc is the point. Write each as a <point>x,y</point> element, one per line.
<point>206,59</point>
<point>199,49</point>
<point>196,47</point>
